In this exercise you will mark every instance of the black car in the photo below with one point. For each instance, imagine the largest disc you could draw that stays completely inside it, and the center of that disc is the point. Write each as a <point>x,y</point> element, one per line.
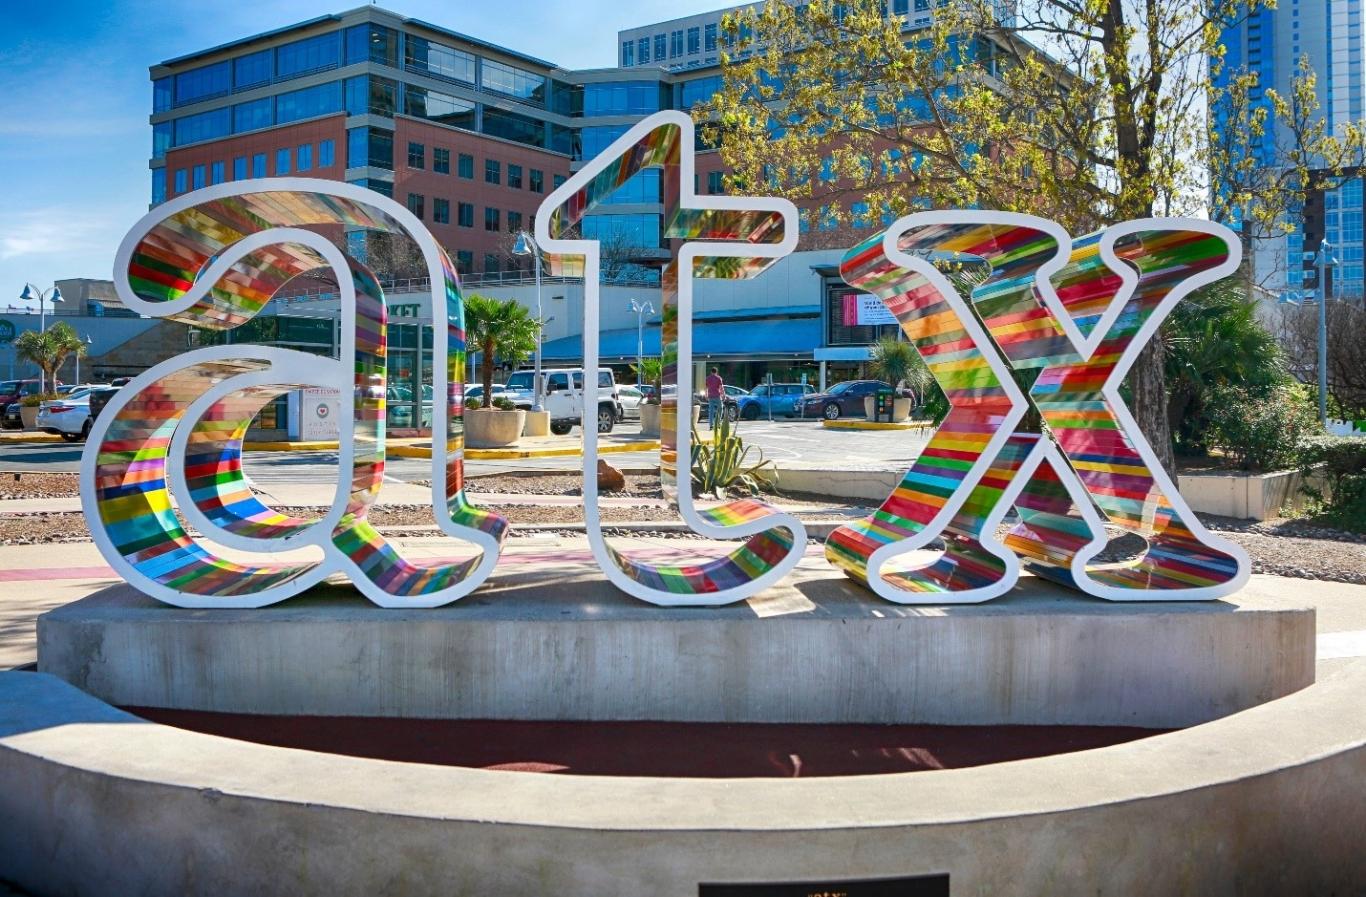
<point>841,400</point>
<point>11,419</point>
<point>99,397</point>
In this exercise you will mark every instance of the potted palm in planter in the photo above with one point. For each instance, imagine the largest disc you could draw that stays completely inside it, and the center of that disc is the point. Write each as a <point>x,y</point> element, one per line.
<point>652,371</point>
<point>48,349</point>
<point>900,364</point>
<point>496,330</point>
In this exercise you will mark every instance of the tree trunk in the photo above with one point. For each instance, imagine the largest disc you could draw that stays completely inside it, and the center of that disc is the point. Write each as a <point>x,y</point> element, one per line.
<point>1148,387</point>
<point>486,372</point>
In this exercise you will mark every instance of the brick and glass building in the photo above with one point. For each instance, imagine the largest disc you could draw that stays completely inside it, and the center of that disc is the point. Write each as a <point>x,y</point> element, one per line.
<point>471,137</point>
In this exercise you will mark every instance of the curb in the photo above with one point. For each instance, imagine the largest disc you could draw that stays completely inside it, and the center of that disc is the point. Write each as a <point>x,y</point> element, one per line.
<point>874,425</point>
<point>417,451</point>
<point>29,438</point>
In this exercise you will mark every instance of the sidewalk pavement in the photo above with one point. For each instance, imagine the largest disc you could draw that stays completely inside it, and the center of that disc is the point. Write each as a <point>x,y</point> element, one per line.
<point>421,447</point>
<point>37,578</point>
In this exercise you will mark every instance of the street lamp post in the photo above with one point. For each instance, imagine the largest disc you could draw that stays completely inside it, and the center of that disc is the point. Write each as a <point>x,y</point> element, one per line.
<point>1324,260</point>
<point>31,293</point>
<point>86,341</point>
<point>640,311</point>
<point>525,245</point>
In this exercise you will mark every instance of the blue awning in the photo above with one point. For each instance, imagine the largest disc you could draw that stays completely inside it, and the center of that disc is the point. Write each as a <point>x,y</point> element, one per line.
<point>738,339</point>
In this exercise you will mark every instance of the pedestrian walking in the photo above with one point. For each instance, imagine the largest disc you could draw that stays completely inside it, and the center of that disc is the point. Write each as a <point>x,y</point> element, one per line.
<point>716,390</point>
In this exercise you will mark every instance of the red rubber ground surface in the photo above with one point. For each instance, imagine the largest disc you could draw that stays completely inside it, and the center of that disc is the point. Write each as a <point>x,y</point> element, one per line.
<point>685,750</point>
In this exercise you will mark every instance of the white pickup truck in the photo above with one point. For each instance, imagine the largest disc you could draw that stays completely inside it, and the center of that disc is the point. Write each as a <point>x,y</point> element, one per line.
<point>564,397</point>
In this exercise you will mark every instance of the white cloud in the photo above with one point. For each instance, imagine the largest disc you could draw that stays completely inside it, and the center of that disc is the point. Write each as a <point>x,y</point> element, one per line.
<point>56,229</point>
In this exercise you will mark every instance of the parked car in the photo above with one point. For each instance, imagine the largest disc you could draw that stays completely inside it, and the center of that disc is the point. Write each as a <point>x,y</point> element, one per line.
<point>12,419</point>
<point>69,416</point>
<point>564,397</point>
<point>11,391</point>
<point>630,398</point>
<point>777,398</point>
<point>841,400</point>
<point>500,391</point>
<point>99,397</point>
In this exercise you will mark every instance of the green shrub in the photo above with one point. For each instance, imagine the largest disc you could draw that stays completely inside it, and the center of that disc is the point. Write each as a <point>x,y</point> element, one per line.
<point>473,405</point>
<point>1341,461</point>
<point>503,404</point>
<point>37,399</point>
<point>1260,431</point>
<point>718,463</point>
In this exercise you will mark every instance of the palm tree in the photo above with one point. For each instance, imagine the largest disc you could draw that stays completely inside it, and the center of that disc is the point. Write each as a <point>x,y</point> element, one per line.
<point>1214,339</point>
<point>897,361</point>
<point>497,330</point>
<point>652,371</point>
<point>48,349</point>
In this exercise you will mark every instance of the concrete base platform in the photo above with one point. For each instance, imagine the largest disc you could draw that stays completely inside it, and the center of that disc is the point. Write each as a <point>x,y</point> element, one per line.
<point>818,649</point>
<point>1271,801</point>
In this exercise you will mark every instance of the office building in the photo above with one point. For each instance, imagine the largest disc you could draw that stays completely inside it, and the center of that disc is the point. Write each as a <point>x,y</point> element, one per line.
<point>1271,42</point>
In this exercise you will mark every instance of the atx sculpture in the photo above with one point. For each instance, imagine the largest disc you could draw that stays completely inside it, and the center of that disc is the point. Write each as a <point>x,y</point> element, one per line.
<point>1078,312</point>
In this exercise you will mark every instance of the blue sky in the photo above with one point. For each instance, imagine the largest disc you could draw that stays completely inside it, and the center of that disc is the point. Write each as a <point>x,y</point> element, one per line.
<point>75,96</point>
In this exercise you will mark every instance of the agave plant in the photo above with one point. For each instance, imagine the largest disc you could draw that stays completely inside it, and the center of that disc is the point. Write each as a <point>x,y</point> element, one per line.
<point>721,463</point>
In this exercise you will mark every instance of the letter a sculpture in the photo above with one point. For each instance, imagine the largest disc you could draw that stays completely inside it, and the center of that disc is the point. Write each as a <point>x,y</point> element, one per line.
<point>213,259</point>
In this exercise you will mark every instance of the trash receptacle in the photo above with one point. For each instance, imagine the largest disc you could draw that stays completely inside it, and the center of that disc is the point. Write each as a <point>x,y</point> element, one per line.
<point>883,404</point>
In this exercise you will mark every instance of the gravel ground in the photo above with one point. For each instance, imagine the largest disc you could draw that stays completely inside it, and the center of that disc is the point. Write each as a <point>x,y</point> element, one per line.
<point>1293,548</point>
<point>39,485</point>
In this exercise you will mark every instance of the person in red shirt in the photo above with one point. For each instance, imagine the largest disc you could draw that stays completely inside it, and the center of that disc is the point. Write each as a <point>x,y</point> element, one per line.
<point>716,390</point>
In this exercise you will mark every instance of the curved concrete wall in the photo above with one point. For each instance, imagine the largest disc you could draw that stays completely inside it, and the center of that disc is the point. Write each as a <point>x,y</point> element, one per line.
<point>1268,801</point>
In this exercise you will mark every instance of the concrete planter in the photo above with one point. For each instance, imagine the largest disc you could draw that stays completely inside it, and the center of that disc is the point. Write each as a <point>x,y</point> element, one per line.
<point>1247,496</point>
<point>901,409</point>
<point>537,423</point>
<point>28,414</point>
<point>649,420</point>
<point>492,428</point>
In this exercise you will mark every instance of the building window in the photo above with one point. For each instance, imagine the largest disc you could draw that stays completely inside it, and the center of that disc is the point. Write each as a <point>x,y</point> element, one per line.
<point>313,54</point>
<point>559,181</point>
<point>216,173</point>
<point>161,94</point>
<point>628,53</point>
<point>158,186</point>
<point>492,171</point>
<point>490,263</point>
<point>239,168</point>
<point>203,83</point>
<point>714,182</point>
<point>537,178</point>
<point>281,161</point>
<point>370,146</point>
<point>258,165</point>
<point>438,60</point>
<point>675,43</point>
<point>512,81</point>
<point>464,261</point>
<point>309,102</point>
<point>709,37</point>
<point>441,160</point>
<point>661,47</point>
<point>180,183</point>
<point>643,50</point>
<point>377,96</point>
<point>514,222</point>
<point>251,116</point>
<point>515,176</point>
<point>197,176</point>
<point>161,139</point>
<point>305,157</point>
<point>419,102</point>
<point>372,43</point>
<point>203,126</point>
<point>327,153</point>
<point>491,219</point>
<point>901,7</point>
<point>415,203</point>
<point>465,167</point>
<point>465,214</point>
<point>441,210</point>
<point>252,70</point>
<point>694,41</point>
<point>417,155</point>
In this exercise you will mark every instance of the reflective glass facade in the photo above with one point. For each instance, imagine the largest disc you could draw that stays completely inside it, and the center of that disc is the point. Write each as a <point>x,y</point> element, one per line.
<point>438,60</point>
<point>514,82</point>
<point>439,107</point>
<point>253,70</point>
<point>313,54</point>
<point>203,83</point>
<point>320,99</point>
<point>623,98</point>
<point>512,126</point>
